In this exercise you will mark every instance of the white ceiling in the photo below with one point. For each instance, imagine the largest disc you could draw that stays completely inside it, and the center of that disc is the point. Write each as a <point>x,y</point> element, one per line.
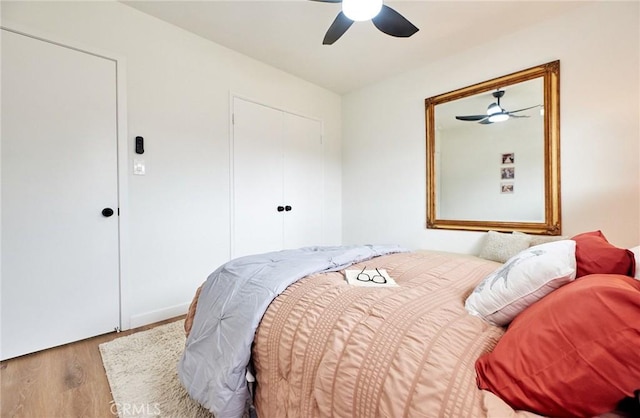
<point>288,34</point>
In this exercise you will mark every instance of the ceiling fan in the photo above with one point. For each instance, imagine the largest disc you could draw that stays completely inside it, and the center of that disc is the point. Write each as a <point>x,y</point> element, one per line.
<point>495,113</point>
<point>383,17</point>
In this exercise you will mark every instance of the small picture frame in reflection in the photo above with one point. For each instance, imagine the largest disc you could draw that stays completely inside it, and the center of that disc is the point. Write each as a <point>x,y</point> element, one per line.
<point>507,173</point>
<point>506,188</point>
<point>508,158</point>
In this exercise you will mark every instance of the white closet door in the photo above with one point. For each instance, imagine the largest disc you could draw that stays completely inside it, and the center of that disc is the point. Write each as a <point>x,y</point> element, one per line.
<point>257,178</point>
<point>303,181</point>
<point>278,162</point>
<point>60,274</point>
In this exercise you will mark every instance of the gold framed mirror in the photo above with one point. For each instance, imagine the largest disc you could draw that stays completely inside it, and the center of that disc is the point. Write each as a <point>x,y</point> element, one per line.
<point>493,154</point>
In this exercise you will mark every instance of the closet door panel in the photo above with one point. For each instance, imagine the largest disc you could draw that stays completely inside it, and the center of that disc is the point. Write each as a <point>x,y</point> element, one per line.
<point>257,178</point>
<point>303,181</point>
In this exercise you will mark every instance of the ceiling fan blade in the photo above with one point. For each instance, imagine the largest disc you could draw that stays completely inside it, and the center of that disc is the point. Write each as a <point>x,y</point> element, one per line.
<point>337,29</point>
<point>486,122</point>
<point>520,110</point>
<point>519,116</point>
<point>393,23</point>
<point>472,118</point>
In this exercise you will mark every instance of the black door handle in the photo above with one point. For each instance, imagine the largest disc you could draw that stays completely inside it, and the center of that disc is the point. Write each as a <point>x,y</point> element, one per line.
<point>280,208</point>
<point>287,208</point>
<point>107,212</point>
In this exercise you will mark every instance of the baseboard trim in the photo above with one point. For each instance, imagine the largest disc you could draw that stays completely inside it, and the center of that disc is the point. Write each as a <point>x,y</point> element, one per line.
<point>159,315</point>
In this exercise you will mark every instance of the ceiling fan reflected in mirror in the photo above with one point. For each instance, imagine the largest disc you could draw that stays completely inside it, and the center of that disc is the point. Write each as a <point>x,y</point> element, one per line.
<point>495,112</point>
<point>383,17</point>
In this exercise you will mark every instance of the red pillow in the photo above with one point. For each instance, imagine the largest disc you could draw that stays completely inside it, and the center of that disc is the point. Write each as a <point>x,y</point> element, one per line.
<point>594,255</point>
<point>573,353</point>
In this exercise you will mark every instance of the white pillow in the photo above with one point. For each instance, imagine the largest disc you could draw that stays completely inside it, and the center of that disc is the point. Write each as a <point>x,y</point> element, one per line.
<point>636,255</point>
<point>501,246</point>
<point>524,279</point>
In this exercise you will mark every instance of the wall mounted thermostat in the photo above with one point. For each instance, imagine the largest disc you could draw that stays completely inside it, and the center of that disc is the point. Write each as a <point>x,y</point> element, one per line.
<point>138,167</point>
<point>139,145</point>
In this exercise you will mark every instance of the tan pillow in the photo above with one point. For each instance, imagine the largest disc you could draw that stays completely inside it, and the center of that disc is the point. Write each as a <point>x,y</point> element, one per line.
<point>541,239</point>
<point>502,246</point>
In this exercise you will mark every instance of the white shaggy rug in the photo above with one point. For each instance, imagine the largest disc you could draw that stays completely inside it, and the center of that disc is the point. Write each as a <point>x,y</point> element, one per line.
<point>142,372</point>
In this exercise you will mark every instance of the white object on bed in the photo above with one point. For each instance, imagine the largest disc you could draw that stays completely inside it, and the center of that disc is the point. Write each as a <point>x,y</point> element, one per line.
<point>524,279</point>
<point>352,278</point>
<point>636,255</point>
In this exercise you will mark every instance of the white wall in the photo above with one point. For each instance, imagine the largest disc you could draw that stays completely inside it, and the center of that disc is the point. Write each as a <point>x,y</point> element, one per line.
<point>598,48</point>
<point>178,93</point>
<point>178,99</point>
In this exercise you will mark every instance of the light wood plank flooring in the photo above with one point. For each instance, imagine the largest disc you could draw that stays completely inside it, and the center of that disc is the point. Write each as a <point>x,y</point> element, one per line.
<point>66,381</point>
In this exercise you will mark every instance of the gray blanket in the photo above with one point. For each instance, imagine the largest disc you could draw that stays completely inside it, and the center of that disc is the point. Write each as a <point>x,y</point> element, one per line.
<point>231,304</point>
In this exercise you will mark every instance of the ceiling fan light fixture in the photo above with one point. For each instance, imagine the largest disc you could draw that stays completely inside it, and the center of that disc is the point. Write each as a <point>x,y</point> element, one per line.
<point>360,10</point>
<point>493,109</point>
<point>498,117</point>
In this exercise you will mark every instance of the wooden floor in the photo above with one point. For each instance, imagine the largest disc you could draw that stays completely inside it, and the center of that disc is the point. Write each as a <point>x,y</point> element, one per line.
<point>66,381</point>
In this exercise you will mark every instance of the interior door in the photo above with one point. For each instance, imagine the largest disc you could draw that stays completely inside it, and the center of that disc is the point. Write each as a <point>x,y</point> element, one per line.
<point>303,181</point>
<point>257,178</point>
<point>60,273</point>
<point>277,179</point>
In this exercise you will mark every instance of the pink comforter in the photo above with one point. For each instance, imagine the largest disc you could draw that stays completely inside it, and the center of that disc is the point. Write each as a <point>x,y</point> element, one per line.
<point>325,348</point>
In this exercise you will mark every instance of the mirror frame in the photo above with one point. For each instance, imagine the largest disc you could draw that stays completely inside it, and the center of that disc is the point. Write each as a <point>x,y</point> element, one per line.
<point>551,85</point>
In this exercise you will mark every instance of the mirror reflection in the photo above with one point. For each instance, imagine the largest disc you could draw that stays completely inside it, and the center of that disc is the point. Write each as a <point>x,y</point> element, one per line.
<point>493,154</point>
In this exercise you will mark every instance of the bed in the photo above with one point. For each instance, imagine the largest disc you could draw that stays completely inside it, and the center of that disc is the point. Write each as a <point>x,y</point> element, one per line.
<point>325,348</point>
<point>322,347</point>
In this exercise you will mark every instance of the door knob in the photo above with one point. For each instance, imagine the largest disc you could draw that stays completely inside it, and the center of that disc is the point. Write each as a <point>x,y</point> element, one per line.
<point>107,212</point>
<point>280,208</point>
<point>287,208</point>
